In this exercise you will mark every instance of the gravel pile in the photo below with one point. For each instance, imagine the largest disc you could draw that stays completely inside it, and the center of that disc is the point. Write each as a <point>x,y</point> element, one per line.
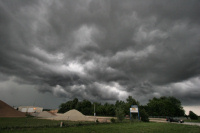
<point>45,114</point>
<point>72,115</point>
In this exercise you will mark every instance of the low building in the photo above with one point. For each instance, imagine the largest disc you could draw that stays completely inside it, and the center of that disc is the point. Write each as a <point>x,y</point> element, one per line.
<point>30,109</point>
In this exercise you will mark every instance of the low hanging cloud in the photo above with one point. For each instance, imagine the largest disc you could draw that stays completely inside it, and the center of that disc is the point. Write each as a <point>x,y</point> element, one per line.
<point>102,50</point>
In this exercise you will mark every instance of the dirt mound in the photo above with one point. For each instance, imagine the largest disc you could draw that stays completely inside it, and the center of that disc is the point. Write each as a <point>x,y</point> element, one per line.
<point>72,115</point>
<point>45,114</point>
<point>8,111</point>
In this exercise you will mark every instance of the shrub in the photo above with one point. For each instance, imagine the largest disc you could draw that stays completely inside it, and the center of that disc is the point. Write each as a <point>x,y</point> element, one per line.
<point>193,116</point>
<point>120,114</point>
<point>144,116</point>
<point>112,120</point>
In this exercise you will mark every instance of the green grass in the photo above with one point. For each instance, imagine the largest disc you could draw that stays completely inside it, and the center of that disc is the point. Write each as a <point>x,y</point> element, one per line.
<point>198,121</point>
<point>31,122</point>
<point>19,126</point>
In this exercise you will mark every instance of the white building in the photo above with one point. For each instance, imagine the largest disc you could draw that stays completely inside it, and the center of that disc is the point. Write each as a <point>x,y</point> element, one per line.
<point>30,109</point>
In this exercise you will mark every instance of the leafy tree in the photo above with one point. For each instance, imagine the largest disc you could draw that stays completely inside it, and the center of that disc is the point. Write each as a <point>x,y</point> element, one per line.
<point>98,108</point>
<point>193,116</point>
<point>109,109</point>
<point>85,107</point>
<point>120,104</point>
<point>119,114</point>
<point>129,101</point>
<point>144,116</point>
<point>64,107</point>
<point>165,106</point>
<point>74,103</point>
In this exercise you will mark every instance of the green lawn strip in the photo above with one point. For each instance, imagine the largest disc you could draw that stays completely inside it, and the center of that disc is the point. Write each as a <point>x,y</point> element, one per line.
<point>197,121</point>
<point>22,123</point>
<point>136,127</point>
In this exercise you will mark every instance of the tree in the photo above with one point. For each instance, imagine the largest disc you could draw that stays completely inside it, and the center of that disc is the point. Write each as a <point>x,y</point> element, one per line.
<point>74,103</point>
<point>119,114</point>
<point>193,116</point>
<point>165,106</point>
<point>85,107</point>
<point>109,109</point>
<point>64,107</point>
<point>130,101</point>
<point>98,108</point>
<point>119,104</point>
<point>144,116</point>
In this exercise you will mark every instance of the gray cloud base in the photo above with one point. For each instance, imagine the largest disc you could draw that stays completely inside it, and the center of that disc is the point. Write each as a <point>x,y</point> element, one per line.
<point>103,50</point>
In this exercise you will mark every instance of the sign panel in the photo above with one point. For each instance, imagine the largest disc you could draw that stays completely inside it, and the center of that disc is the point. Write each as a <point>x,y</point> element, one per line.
<point>134,109</point>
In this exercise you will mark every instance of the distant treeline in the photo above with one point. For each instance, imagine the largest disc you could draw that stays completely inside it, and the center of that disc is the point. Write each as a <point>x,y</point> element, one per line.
<point>163,106</point>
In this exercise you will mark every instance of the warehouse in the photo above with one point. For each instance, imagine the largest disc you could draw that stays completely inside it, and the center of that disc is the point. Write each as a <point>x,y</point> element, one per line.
<point>30,109</point>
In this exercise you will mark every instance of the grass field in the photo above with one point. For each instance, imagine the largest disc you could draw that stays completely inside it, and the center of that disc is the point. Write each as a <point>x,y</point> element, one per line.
<point>188,120</point>
<point>198,121</point>
<point>31,122</point>
<point>30,125</point>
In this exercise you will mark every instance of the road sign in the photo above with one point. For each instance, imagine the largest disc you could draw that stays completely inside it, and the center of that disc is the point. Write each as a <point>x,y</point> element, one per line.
<point>134,109</point>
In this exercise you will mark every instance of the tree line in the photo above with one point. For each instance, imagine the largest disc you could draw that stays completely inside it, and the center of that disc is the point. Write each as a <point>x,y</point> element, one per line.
<point>163,106</point>
<point>87,108</point>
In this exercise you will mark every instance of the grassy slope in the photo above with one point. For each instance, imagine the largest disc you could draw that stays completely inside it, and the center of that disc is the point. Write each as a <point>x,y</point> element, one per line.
<point>137,127</point>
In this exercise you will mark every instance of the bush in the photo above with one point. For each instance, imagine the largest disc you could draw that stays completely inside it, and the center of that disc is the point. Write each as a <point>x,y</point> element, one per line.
<point>193,116</point>
<point>144,116</point>
<point>112,120</point>
<point>119,114</point>
<point>28,115</point>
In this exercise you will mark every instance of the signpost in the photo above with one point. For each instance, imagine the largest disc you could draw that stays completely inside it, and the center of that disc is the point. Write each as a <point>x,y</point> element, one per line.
<point>134,109</point>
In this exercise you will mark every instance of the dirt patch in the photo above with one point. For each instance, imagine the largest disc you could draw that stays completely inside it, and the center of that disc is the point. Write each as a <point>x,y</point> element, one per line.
<point>8,111</point>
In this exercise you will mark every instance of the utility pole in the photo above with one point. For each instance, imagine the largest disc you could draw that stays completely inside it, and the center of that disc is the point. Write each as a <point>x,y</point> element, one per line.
<point>94,110</point>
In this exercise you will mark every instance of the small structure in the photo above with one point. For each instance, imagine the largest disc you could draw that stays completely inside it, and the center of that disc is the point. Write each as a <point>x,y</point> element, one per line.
<point>134,109</point>
<point>30,109</point>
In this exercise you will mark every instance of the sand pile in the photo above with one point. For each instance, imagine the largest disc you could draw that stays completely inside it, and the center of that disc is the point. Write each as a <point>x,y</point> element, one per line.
<point>8,111</point>
<point>44,114</point>
<point>72,115</point>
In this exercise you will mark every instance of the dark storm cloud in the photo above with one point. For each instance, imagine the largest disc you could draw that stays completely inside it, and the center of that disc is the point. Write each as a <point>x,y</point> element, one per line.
<point>102,50</point>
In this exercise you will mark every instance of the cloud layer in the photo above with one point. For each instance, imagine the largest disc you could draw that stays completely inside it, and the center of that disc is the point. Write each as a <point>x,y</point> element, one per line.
<point>103,50</point>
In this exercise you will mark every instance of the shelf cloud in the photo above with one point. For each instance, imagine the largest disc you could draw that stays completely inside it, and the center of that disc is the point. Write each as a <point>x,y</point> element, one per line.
<point>102,50</point>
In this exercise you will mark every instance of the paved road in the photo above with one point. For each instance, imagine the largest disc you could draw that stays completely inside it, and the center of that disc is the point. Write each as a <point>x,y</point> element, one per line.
<point>164,120</point>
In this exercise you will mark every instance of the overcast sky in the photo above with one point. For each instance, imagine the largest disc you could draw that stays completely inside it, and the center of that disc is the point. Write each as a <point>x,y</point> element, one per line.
<point>55,50</point>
